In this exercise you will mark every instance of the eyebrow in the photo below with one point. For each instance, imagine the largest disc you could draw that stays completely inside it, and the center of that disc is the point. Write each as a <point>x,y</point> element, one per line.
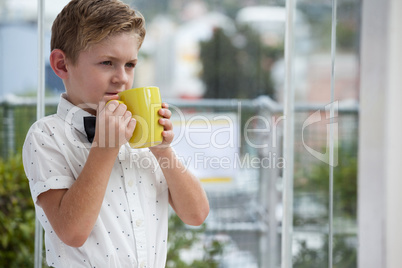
<point>116,58</point>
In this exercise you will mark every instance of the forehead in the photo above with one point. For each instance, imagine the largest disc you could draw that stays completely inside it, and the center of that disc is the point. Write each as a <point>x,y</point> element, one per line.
<point>118,45</point>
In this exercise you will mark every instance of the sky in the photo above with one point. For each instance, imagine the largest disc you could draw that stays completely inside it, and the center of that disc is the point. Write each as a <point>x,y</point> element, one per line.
<point>27,9</point>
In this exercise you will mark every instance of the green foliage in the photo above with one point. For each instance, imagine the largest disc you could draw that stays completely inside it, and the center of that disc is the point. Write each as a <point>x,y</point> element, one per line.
<point>347,36</point>
<point>238,67</point>
<point>17,225</point>
<point>315,180</point>
<point>345,182</point>
<point>17,215</point>
<point>180,238</point>
<point>220,72</point>
<point>18,119</point>
<point>345,255</point>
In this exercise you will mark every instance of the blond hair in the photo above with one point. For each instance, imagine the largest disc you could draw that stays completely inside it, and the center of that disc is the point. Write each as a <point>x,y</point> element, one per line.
<point>83,23</point>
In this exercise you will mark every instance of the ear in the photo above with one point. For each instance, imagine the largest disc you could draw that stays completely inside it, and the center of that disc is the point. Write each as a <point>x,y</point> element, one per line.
<point>58,62</point>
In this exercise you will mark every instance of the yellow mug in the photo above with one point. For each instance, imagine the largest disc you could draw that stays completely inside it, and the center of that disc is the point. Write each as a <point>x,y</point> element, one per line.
<point>144,104</point>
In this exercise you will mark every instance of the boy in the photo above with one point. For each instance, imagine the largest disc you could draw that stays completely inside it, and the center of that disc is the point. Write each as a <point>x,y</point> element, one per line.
<point>103,204</point>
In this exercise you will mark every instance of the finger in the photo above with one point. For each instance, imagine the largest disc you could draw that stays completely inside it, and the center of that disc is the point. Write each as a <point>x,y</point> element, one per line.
<point>166,123</point>
<point>166,113</point>
<point>125,118</point>
<point>165,105</point>
<point>112,105</point>
<point>168,136</point>
<point>131,125</point>
<point>128,115</point>
<point>120,109</point>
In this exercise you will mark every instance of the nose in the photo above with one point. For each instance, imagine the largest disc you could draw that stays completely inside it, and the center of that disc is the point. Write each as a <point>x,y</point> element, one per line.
<point>120,76</point>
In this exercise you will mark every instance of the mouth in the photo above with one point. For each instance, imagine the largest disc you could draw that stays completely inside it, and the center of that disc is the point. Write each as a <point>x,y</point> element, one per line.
<point>111,96</point>
<point>111,93</point>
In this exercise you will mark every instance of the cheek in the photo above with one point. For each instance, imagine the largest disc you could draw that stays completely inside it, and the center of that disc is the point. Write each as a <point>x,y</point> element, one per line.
<point>130,81</point>
<point>95,88</point>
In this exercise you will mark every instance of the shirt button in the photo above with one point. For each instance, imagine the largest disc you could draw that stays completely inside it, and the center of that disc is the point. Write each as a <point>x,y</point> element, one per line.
<point>138,223</point>
<point>130,183</point>
<point>143,264</point>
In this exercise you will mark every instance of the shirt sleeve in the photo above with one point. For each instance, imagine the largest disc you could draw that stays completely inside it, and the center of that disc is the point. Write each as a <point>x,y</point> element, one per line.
<point>45,165</point>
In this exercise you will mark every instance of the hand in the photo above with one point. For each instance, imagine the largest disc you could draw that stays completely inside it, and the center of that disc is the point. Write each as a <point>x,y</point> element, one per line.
<point>114,125</point>
<point>167,132</point>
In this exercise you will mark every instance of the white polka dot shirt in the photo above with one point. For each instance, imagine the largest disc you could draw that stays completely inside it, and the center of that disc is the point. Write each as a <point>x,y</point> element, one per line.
<point>131,229</point>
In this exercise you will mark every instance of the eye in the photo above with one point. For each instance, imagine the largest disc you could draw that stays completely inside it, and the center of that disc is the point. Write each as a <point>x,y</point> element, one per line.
<point>130,65</point>
<point>108,63</point>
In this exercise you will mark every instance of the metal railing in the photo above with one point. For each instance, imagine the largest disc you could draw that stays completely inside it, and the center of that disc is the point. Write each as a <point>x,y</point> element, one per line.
<point>247,215</point>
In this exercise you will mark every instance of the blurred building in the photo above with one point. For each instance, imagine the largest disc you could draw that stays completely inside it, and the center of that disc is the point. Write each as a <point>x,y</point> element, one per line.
<point>173,50</point>
<point>19,46</point>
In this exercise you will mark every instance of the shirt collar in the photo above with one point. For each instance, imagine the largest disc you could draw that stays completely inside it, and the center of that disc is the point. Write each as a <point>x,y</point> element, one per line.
<point>72,114</point>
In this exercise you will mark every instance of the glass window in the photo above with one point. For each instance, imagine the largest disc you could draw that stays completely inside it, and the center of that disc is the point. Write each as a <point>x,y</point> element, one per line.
<point>220,64</point>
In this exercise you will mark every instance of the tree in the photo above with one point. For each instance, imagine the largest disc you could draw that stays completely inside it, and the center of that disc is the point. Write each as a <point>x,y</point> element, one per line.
<point>238,66</point>
<point>17,215</point>
<point>220,69</point>
<point>180,237</point>
<point>345,254</point>
<point>316,181</point>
